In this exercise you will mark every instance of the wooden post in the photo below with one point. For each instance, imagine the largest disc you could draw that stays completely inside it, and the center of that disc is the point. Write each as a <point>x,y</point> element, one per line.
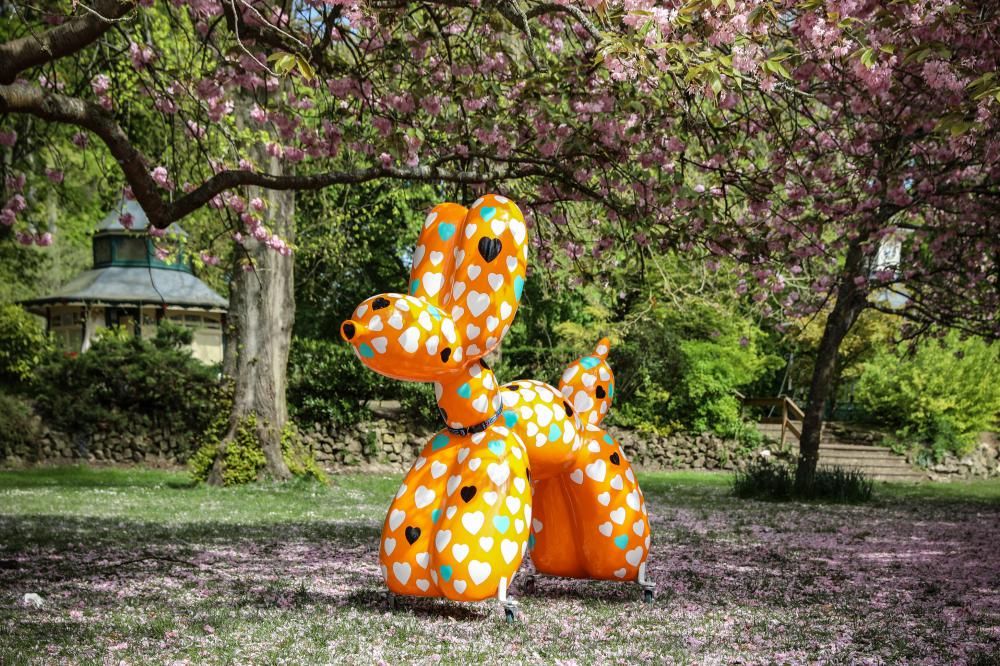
<point>784,421</point>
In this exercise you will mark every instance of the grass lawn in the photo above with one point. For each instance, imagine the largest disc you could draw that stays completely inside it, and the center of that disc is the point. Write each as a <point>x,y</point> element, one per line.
<point>137,566</point>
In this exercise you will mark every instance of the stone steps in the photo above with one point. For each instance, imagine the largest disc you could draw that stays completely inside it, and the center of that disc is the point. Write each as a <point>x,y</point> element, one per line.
<point>877,463</point>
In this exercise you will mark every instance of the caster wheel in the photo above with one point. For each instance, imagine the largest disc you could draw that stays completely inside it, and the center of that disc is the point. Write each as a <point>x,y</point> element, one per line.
<point>647,596</point>
<point>509,615</point>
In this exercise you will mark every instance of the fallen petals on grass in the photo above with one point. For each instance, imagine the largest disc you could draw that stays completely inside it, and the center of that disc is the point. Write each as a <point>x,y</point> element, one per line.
<point>161,574</point>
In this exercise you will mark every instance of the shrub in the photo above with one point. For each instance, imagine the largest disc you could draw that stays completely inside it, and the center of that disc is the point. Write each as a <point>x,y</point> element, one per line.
<point>681,369</point>
<point>243,460</point>
<point>126,382</point>
<point>19,425</point>
<point>940,395</point>
<point>327,383</point>
<point>767,480</point>
<point>23,345</point>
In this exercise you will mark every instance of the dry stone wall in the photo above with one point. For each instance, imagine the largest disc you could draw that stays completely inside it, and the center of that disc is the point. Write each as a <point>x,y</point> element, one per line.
<point>389,443</point>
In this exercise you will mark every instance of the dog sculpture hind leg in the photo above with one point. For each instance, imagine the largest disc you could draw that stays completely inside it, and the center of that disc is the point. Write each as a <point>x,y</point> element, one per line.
<point>459,525</point>
<point>591,520</point>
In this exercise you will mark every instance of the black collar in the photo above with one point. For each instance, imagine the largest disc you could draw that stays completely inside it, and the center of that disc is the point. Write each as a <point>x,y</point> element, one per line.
<point>479,427</point>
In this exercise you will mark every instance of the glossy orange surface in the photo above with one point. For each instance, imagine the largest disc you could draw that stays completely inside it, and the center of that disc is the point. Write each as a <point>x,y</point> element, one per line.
<point>462,520</point>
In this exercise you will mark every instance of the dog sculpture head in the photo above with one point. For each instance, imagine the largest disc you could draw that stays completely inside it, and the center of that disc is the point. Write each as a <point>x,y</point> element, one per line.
<point>589,385</point>
<point>467,278</point>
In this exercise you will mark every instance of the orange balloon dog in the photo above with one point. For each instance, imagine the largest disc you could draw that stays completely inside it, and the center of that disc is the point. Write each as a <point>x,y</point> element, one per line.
<point>463,518</point>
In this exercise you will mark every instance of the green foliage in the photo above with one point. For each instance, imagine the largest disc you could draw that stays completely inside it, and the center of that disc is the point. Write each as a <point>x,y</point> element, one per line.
<point>300,458</point>
<point>123,381</point>
<point>23,345</point>
<point>243,459</point>
<point>680,368</point>
<point>354,242</point>
<point>419,404</point>
<point>19,426</point>
<point>327,383</point>
<point>767,480</point>
<point>941,394</point>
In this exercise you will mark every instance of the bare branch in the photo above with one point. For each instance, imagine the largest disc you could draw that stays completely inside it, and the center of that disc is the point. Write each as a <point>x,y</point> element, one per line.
<point>20,54</point>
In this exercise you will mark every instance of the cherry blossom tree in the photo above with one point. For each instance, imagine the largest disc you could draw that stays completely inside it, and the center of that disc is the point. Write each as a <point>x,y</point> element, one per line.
<point>232,105</point>
<point>856,166</point>
<point>790,138</point>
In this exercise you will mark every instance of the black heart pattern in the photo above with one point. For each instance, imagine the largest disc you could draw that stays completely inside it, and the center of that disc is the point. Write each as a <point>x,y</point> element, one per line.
<point>445,353</point>
<point>412,534</point>
<point>615,458</point>
<point>489,248</point>
<point>380,303</point>
<point>468,492</point>
<point>569,410</point>
<point>600,392</point>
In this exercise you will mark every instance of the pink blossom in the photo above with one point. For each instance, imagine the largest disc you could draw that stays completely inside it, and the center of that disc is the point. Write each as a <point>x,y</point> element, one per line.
<point>141,56</point>
<point>100,84</point>
<point>17,203</point>
<point>16,182</point>
<point>8,138</point>
<point>54,175</point>
<point>258,114</point>
<point>160,177</point>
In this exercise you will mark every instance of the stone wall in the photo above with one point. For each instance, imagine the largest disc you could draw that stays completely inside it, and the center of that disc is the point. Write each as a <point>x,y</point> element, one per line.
<point>390,444</point>
<point>380,443</point>
<point>129,445</point>
<point>983,462</point>
<point>386,442</point>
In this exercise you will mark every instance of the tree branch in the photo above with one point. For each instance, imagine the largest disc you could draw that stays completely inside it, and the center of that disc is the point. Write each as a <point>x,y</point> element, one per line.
<point>54,107</point>
<point>77,33</point>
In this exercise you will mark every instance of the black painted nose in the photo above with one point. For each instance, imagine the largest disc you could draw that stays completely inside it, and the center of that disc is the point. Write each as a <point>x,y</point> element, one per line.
<point>347,329</point>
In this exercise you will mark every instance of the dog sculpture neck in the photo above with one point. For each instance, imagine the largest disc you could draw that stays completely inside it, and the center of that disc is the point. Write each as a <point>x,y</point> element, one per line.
<point>469,397</point>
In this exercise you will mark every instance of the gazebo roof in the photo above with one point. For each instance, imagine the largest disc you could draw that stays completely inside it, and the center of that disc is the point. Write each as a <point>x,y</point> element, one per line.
<point>112,221</point>
<point>134,285</point>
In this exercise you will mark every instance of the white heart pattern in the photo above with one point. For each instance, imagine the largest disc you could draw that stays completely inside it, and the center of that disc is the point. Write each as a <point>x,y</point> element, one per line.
<point>432,282</point>
<point>477,302</point>
<point>402,571</point>
<point>479,571</point>
<point>423,497</point>
<point>473,521</point>
<point>498,473</point>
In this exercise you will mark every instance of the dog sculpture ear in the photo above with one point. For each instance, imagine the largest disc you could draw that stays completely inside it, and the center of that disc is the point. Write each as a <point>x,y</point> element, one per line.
<point>434,256</point>
<point>487,276</point>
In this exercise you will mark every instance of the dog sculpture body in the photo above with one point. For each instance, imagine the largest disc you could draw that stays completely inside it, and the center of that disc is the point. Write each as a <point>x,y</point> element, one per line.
<point>462,519</point>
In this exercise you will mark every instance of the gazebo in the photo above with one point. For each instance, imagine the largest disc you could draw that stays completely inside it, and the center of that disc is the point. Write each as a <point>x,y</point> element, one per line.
<point>129,286</point>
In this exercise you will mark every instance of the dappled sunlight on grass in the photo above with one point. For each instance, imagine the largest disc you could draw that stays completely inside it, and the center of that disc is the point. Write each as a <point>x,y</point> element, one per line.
<point>138,566</point>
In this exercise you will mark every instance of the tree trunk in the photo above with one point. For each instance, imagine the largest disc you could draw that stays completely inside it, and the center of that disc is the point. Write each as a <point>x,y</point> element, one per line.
<point>261,313</point>
<point>851,300</point>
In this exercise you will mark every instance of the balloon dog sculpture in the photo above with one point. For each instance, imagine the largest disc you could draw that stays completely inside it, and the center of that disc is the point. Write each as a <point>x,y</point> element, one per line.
<point>518,466</point>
